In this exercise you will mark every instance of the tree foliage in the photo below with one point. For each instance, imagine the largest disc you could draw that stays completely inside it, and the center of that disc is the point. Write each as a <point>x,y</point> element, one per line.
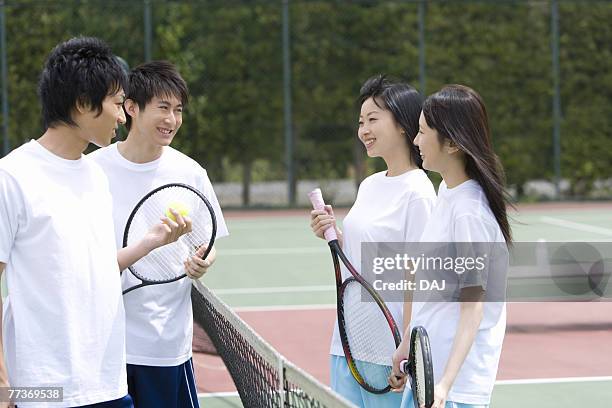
<point>230,53</point>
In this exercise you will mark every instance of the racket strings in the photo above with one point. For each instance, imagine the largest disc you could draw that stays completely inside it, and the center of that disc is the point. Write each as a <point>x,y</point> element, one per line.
<point>166,263</point>
<point>369,337</point>
<point>419,371</point>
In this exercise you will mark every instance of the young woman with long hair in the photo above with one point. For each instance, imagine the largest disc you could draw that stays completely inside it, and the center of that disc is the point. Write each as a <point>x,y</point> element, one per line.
<point>466,334</point>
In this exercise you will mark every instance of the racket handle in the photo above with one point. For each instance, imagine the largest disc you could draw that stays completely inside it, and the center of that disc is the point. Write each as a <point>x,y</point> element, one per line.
<point>316,198</point>
<point>403,366</point>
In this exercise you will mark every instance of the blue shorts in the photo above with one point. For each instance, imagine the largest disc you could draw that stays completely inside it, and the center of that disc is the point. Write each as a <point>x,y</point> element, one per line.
<point>125,402</point>
<point>162,387</point>
<point>408,402</point>
<point>343,383</point>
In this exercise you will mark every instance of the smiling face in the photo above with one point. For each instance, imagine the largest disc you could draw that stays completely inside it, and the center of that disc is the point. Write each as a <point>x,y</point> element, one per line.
<point>431,150</point>
<point>160,119</point>
<point>100,128</point>
<point>379,132</point>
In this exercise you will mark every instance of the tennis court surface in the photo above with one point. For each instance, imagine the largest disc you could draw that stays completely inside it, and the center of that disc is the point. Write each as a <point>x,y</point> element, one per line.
<point>277,276</point>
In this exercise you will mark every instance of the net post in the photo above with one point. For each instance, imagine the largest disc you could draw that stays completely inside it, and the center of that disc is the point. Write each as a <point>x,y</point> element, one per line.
<point>281,381</point>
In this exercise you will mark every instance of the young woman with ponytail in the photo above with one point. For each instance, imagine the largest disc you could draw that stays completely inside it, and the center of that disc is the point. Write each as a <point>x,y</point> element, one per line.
<point>391,206</point>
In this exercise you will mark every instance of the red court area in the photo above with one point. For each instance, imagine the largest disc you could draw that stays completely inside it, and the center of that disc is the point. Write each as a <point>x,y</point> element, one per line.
<point>543,340</point>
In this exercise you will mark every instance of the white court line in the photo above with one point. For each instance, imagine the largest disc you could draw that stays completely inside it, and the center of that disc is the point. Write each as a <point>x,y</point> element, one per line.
<point>273,251</point>
<point>502,382</point>
<point>553,380</point>
<point>217,394</point>
<point>282,308</point>
<point>277,225</point>
<point>275,289</point>
<point>576,226</point>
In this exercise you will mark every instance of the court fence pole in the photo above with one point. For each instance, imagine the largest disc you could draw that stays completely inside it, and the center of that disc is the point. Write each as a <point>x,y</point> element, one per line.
<point>556,102</point>
<point>148,31</point>
<point>4,73</point>
<point>288,121</point>
<point>422,73</point>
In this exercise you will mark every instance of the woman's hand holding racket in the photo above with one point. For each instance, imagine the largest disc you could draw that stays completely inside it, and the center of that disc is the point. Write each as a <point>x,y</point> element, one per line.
<point>418,369</point>
<point>397,379</point>
<point>321,220</point>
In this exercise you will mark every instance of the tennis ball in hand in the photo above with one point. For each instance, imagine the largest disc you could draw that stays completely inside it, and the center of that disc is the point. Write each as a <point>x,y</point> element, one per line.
<point>179,208</point>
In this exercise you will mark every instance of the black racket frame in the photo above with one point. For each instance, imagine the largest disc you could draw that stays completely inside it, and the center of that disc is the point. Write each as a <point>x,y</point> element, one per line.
<point>146,282</point>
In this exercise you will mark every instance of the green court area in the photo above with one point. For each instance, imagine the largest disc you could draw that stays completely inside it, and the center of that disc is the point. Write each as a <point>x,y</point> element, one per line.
<point>276,261</point>
<point>593,393</point>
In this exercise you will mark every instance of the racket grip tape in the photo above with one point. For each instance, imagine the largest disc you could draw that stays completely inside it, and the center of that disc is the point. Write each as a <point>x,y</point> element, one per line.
<point>316,198</point>
<point>403,366</point>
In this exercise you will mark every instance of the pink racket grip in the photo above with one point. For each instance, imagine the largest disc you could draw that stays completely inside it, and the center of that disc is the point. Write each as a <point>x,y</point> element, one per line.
<point>316,198</point>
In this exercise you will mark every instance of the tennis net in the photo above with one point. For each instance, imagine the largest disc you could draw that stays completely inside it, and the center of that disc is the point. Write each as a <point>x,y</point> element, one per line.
<point>263,377</point>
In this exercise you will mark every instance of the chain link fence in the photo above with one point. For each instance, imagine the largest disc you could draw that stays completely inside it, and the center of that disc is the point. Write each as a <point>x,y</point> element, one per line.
<point>281,109</point>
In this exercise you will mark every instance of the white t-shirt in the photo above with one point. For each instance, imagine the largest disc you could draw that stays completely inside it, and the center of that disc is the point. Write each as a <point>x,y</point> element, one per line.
<point>159,319</point>
<point>63,322</point>
<point>387,209</point>
<point>462,214</point>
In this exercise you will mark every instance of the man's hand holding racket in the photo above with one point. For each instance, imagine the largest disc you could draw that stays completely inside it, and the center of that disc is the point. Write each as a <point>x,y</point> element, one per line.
<point>196,267</point>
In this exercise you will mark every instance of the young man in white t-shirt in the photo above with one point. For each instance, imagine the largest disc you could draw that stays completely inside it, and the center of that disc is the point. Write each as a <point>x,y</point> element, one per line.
<point>63,322</point>
<point>159,317</point>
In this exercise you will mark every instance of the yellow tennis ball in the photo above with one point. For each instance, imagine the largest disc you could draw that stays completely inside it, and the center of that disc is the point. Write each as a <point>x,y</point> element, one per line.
<point>179,208</point>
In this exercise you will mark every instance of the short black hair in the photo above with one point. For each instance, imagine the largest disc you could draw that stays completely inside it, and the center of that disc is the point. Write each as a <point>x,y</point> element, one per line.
<point>82,70</point>
<point>402,100</point>
<point>155,79</point>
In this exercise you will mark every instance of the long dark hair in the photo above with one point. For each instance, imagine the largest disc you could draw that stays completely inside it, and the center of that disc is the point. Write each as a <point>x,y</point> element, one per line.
<point>403,101</point>
<point>458,113</point>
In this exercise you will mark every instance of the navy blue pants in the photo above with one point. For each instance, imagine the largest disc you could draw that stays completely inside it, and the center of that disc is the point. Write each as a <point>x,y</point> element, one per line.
<point>162,387</point>
<point>125,402</point>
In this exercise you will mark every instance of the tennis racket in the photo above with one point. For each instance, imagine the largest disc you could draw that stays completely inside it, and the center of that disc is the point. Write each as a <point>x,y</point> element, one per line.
<point>368,332</point>
<point>419,368</point>
<point>165,264</point>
